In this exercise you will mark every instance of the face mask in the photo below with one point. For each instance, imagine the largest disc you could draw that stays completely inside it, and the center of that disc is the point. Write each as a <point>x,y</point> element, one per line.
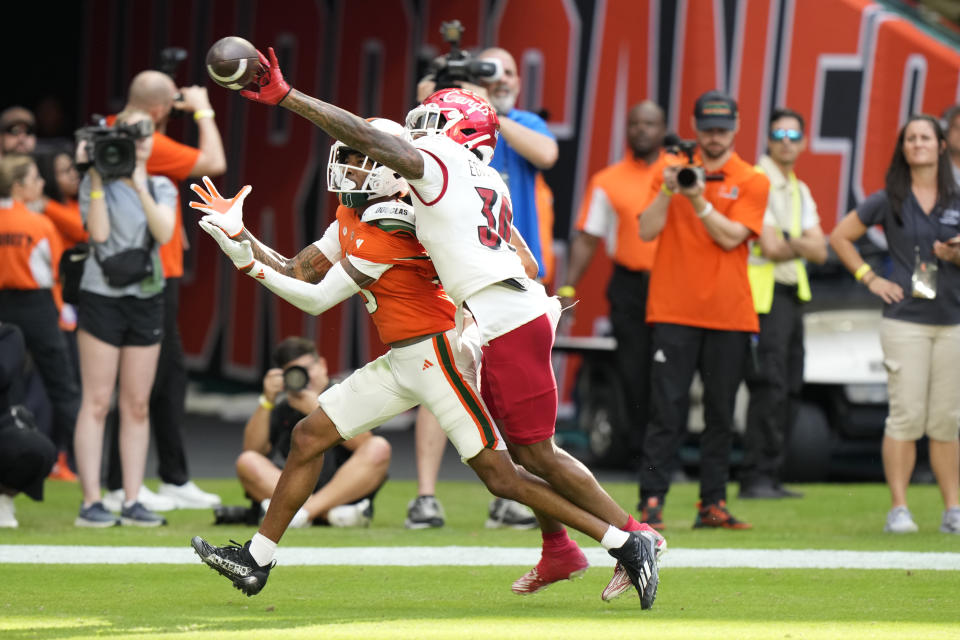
<point>354,200</point>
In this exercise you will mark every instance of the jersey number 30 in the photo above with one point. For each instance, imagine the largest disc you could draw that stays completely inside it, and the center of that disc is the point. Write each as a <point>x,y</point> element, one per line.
<point>498,227</point>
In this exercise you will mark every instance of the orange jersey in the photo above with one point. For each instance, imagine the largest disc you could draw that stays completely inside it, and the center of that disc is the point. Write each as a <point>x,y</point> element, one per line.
<point>611,209</point>
<point>68,221</point>
<point>694,281</point>
<point>30,248</point>
<point>407,300</point>
<point>175,161</point>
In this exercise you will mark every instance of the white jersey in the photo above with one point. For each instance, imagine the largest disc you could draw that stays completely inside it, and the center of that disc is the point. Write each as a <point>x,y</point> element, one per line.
<point>463,218</point>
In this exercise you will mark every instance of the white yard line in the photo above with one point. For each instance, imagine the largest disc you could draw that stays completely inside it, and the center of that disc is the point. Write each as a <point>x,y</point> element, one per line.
<point>493,556</point>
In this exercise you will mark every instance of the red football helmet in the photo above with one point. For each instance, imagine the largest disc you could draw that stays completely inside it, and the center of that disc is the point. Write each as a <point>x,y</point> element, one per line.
<point>458,114</point>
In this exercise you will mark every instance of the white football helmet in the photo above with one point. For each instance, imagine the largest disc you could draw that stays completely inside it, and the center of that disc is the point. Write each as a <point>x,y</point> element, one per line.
<point>375,179</point>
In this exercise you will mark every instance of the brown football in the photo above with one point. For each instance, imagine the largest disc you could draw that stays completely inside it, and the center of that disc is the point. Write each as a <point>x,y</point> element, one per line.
<point>232,62</point>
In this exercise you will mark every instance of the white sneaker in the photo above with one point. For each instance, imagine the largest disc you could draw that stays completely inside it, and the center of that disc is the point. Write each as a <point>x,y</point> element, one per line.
<point>951,520</point>
<point>8,518</point>
<point>899,520</point>
<point>113,500</point>
<point>351,515</point>
<point>188,496</point>
<point>301,519</point>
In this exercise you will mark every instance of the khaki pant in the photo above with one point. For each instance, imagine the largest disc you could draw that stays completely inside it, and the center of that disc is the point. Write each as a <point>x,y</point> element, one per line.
<point>923,370</point>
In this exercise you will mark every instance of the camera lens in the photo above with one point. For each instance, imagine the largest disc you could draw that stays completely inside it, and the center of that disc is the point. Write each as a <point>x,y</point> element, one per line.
<point>687,177</point>
<point>295,378</point>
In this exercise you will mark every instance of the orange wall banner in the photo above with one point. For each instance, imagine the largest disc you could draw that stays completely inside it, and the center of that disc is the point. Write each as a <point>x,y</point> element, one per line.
<point>853,68</point>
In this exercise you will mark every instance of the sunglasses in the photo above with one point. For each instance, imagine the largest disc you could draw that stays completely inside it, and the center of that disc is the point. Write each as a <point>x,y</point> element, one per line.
<point>793,135</point>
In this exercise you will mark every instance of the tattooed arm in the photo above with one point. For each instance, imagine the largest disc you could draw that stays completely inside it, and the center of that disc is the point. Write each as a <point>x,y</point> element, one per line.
<point>310,265</point>
<point>357,133</point>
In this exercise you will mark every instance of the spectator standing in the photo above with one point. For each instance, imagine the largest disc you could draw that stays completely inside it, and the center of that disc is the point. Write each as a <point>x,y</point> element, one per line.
<point>609,213</point>
<point>700,306</point>
<point>30,250</point>
<point>61,182</point>
<point>525,147</point>
<point>120,324</point>
<point>919,210</point>
<point>352,473</point>
<point>156,93</point>
<point>778,279</point>
<point>17,131</point>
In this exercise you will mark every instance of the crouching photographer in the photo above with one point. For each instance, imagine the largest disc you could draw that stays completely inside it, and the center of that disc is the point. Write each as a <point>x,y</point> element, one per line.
<point>352,471</point>
<point>120,324</point>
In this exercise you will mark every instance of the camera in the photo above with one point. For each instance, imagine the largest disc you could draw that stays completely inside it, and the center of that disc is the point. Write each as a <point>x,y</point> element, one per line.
<point>170,60</point>
<point>295,378</point>
<point>691,173</point>
<point>237,514</point>
<point>458,66</point>
<point>112,150</point>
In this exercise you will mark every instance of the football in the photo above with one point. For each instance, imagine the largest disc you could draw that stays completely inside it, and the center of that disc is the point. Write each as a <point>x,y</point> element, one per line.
<point>232,62</point>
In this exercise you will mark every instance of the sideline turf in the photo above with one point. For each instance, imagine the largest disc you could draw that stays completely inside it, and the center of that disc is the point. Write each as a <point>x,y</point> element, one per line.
<point>440,602</point>
<point>837,516</point>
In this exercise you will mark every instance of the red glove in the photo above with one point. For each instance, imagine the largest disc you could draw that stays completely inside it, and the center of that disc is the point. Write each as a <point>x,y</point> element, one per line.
<point>273,88</point>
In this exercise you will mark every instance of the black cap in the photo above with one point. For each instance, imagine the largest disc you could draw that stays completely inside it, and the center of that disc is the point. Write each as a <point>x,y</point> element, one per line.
<point>715,110</point>
<point>26,455</point>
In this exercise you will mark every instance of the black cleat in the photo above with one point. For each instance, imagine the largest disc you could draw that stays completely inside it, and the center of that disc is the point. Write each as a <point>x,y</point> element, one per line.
<point>235,563</point>
<point>638,557</point>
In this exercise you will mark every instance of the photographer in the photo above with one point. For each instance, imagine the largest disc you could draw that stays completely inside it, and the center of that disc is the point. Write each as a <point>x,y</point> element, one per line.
<point>351,476</point>
<point>120,323</point>
<point>156,93</point>
<point>707,205</point>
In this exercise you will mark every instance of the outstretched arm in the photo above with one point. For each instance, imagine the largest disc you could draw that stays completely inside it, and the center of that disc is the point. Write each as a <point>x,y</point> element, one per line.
<point>351,130</point>
<point>356,133</point>
<point>310,265</point>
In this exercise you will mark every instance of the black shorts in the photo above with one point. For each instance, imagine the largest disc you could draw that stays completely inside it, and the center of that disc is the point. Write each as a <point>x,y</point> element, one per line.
<point>122,322</point>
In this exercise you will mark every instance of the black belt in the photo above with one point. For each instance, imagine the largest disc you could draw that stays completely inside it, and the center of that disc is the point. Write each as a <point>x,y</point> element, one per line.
<point>790,289</point>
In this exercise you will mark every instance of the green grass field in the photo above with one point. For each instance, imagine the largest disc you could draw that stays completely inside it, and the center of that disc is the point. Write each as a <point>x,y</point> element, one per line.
<point>119,601</point>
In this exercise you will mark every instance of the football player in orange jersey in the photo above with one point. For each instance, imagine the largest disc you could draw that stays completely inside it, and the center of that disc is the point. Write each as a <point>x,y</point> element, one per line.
<point>373,250</point>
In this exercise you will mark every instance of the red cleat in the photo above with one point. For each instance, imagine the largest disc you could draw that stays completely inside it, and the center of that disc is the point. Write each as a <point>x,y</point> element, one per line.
<point>568,565</point>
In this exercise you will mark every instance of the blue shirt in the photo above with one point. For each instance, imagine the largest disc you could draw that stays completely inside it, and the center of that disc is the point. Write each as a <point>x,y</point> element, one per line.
<point>910,240</point>
<point>520,176</point>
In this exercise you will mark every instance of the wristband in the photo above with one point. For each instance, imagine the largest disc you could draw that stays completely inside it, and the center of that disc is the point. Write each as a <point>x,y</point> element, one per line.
<point>566,291</point>
<point>862,271</point>
<point>707,210</point>
<point>266,404</point>
<point>96,195</point>
<point>200,114</point>
<point>666,190</point>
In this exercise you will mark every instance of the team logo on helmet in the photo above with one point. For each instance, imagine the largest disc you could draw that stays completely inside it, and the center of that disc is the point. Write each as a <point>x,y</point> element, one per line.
<point>460,115</point>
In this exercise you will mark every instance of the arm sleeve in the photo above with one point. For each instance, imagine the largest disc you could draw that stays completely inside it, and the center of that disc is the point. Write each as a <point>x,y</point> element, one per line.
<point>873,210</point>
<point>596,213</point>
<point>809,216</point>
<point>750,207</point>
<point>335,287</point>
<point>368,268</point>
<point>435,174</point>
<point>329,243</point>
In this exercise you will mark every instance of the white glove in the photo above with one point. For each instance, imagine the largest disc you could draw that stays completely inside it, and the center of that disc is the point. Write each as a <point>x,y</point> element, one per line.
<point>223,213</point>
<point>239,252</point>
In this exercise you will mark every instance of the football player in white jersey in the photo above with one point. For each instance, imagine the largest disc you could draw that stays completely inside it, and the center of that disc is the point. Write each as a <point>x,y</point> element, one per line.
<point>463,219</point>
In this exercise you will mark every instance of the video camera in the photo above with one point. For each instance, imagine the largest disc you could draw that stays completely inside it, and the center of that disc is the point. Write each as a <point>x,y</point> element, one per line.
<point>112,150</point>
<point>170,60</point>
<point>692,172</point>
<point>458,66</point>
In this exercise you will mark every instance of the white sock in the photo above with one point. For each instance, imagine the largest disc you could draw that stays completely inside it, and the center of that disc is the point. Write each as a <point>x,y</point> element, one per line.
<point>262,549</point>
<point>265,504</point>
<point>614,538</point>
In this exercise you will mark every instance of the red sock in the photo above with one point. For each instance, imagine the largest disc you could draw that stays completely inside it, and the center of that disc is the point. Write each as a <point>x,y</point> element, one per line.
<point>556,542</point>
<point>632,525</point>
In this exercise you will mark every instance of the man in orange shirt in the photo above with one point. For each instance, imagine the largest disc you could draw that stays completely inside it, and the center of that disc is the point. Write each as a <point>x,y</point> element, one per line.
<point>157,94</point>
<point>700,305</point>
<point>609,212</point>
